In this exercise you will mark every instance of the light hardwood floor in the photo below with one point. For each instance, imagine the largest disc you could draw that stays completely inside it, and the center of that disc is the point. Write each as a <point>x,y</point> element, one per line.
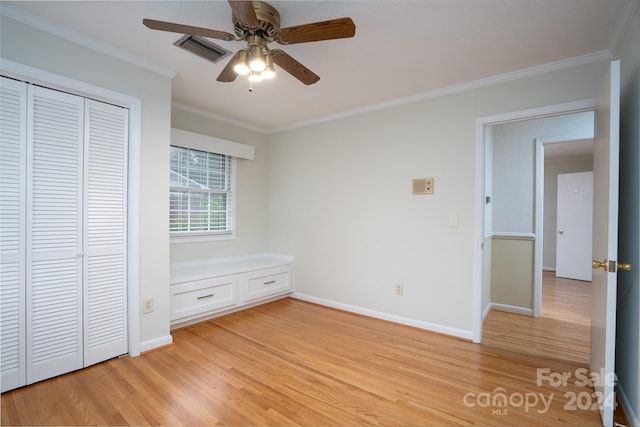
<point>295,363</point>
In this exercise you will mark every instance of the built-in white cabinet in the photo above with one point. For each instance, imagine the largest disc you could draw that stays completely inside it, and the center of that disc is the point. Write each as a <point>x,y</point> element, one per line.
<point>205,289</point>
<point>264,283</point>
<point>63,174</point>
<point>203,296</point>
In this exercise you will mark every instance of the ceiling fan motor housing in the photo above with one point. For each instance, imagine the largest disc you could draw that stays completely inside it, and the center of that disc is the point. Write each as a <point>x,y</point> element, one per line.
<point>268,22</point>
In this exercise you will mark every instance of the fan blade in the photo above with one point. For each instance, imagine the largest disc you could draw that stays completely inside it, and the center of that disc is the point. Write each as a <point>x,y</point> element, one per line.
<point>245,13</point>
<point>293,67</point>
<point>187,29</point>
<point>326,30</point>
<point>227,74</point>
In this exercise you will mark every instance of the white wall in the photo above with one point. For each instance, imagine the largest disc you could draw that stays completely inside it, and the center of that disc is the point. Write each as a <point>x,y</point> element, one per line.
<point>340,198</point>
<point>251,190</point>
<point>29,46</point>
<point>514,176</point>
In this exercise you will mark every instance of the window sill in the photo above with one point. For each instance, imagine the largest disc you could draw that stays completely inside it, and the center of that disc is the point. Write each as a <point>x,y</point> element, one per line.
<point>200,238</point>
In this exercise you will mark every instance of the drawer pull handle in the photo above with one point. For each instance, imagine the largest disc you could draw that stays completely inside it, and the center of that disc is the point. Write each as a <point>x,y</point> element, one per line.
<point>270,283</point>
<point>205,297</point>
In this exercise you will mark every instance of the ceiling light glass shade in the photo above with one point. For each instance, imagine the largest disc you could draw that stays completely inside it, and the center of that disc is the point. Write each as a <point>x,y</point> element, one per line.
<point>268,72</point>
<point>255,77</point>
<point>242,66</point>
<point>256,62</point>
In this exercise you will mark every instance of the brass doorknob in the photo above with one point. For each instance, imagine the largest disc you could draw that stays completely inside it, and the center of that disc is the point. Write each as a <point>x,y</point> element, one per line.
<point>624,266</point>
<point>560,231</point>
<point>600,264</point>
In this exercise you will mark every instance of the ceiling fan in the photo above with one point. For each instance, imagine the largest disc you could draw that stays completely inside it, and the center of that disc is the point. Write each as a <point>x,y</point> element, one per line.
<point>258,23</point>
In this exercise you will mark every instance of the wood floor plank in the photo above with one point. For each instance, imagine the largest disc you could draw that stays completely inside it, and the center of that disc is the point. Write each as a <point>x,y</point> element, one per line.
<point>299,364</point>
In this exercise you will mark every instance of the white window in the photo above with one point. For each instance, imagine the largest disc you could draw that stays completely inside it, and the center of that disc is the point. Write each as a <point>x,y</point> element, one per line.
<point>201,194</point>
<point>202,186</point>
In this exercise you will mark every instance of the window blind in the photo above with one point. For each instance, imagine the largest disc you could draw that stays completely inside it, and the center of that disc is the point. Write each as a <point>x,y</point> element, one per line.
<point>200,192</point>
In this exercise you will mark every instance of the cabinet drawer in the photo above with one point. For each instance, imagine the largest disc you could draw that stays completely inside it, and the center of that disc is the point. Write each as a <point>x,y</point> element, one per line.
<point>192,298</point>
<point>264,283</point>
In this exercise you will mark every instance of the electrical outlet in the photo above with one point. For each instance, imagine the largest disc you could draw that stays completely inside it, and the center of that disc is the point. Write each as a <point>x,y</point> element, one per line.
<point>147,305</point>
<point>453,221</point>
<point>399,289</point>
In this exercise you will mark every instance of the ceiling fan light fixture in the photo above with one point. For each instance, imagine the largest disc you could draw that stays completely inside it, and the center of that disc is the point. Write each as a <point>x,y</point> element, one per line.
<point>256,61</point>
<point>255,76</point>
<point>269,71</point>
<point>242,66</point>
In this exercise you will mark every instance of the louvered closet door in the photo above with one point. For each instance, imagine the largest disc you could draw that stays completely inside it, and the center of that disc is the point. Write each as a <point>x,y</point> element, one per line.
<point>13,142</point>
<point>106,141</point>
<point>54,233</point>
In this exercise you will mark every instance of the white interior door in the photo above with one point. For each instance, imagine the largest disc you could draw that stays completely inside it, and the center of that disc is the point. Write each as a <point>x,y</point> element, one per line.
<point>63,232</point>
<point>605,241</point>
<point>575,222</point>
<point>105,245</point>
<point>54,233</point>
<point>13,143</point>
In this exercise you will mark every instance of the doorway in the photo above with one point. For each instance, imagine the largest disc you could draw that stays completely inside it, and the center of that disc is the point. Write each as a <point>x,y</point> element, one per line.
<point>555,158</point>
<point>605,229</point>
<point>521,229</point>
<point>511,200</point>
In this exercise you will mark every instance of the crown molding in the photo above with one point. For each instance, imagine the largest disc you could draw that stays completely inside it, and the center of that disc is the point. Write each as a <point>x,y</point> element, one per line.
<point>207,114</point>
<point>623,24</point>
<point>603,55</point>
<point>68,34</point>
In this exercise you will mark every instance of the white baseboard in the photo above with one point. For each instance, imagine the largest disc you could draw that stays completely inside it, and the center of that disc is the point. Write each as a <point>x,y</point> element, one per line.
<point>155,343</point>
<point>510,309</point>
<point>626,405</point>
<point>486,312</point>
<point>446,330</point>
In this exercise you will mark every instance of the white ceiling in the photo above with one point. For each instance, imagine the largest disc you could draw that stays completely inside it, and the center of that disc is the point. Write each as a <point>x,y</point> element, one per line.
<point>402,49</point>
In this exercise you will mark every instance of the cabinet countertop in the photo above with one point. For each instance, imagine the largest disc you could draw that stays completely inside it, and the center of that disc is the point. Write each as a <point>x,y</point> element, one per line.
<point>198,270</point>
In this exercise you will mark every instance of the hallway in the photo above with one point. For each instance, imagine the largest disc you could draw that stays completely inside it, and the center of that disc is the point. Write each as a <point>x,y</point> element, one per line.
<point>560,337</point>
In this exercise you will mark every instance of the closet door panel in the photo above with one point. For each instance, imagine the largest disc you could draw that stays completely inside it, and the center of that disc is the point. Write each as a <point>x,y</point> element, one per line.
<point>106,142</point>
<point>54,233</point>
<point>13,105</point>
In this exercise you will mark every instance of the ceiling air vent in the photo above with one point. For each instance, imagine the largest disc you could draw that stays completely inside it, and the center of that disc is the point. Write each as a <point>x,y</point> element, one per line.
<point>202,47</point>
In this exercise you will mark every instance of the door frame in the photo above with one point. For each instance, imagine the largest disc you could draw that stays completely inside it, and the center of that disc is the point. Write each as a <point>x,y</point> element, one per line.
<point>539,219</point>
<point>481,125</point>
<point>134,105</point>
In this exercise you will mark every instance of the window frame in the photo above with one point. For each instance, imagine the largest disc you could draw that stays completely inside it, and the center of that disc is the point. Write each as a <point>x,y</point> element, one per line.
<point>177,237</point>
